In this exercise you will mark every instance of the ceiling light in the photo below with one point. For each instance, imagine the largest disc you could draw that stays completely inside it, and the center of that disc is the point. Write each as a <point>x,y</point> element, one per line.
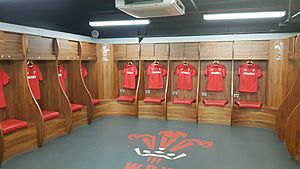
<point>246,15</point>
<point>120,23</point>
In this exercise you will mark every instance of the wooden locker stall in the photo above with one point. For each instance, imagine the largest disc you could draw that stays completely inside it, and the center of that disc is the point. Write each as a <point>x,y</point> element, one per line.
<point>121,101</point>
<point>75,89</point>
<point>53,102</point>
<point>21,119</point>
<point>215,104</point>
<point>182,104</point>
<point>90,62</point>
<point>252,110</point>
<point>153,102</point>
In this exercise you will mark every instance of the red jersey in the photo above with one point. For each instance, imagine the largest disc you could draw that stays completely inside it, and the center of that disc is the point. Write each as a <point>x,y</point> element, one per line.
<point>62,74</point>
<point>4,81</point>
<point>185,75</point>
<point>84,72</point>
<point>156,74</point>
<point>249,77</point>
<point>129,73</point>
<point>34,77</point>
<point>215,74</point>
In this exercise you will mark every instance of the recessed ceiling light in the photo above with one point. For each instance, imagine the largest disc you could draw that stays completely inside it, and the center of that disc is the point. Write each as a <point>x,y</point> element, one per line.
<point>119,23</point>
<point>244,15</point>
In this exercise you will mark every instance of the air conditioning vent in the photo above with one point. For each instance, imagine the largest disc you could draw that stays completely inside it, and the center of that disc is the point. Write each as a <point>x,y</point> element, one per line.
<point>151,8</point>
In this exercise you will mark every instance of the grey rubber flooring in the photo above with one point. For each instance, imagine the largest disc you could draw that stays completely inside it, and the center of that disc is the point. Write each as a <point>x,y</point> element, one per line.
<point>105,145</point>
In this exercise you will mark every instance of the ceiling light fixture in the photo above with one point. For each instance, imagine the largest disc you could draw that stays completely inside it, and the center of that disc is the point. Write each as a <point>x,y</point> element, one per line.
<point>244,15</point>
<point>120,23</point>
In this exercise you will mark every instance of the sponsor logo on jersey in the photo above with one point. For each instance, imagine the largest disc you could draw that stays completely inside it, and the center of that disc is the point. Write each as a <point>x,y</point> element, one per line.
<point>31,77</point>
<point>215,73</point>
<point>187,73</point>
<point>249,73</point>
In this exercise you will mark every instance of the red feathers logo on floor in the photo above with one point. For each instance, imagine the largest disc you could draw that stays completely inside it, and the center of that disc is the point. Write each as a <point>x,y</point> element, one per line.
<point>170,147</point>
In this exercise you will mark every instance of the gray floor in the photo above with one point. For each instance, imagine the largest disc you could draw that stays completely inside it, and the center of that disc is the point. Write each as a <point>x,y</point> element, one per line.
<point>105,145</point>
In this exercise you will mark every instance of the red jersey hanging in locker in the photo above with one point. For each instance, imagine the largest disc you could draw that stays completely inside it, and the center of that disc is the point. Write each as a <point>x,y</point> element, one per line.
<point>84,72</point>
<point>129,73</point>
<point>156,74</point>
<point>34,77</point>
<point>249,74</point>
<point>4,81</point>
<point>62,74</point>
<point>185,73</point>
<point>215,74</point>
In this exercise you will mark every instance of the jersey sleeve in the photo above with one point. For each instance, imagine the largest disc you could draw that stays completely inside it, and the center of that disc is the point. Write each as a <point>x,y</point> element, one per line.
<point>194,71</point>
<point>4,78</point>
<point>240,70</point>
<point>84,71</point>
<point>206,71</point>
<point>135,71</point>
<point>224,71</point>
<point>39,74</point>
<point>177,70</point>
<point>149,69</point>
<point>164,70</point>
<point>64,73</point>
<point>259,73</point>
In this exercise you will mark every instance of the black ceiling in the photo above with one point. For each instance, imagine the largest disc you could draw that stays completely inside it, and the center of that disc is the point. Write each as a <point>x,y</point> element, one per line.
<point>73,16</point>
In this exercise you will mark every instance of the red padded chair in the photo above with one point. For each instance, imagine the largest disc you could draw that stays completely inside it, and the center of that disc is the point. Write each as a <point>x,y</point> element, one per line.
<point>220,103</point>
<point>11,125</point>
<point>76,107</point>
<point>153,99</point>
<point>183,101</point>
<point>126,99</point>
<point>48,115</point>
<point>245,104</point>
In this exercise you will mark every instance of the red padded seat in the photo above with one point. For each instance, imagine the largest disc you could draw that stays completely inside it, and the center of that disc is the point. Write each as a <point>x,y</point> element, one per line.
<point>153,99</point>
<point>76,107</point>
<point>245,104</point>
<point>96,101</point>
<point>11,125</point>
<point>126,99</point>
<point>221,103</point>
<point>48,115</point>
<point>183,101</point>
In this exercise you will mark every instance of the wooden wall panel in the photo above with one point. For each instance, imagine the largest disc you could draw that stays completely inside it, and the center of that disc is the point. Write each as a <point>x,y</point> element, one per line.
<point>256,50</point>
<point>281,75</point>
<point>123,91</point>
<point>216,50</point>
<point>53,101</point>
<point>109,81</point>
<point>181,112</point>
<point>80,118</point>
<point>147,51</point>
<point>133,52</point>
<point>110,107</point>
<point>177,51</point>
<point>260,96</point>
<point>161,51</point>
<point>178,93</point>
<point>214,115</point>
<point>68,50</point>
<point>11,46</point>
<point>119,52</point>
<point>264,118</point>
<point>222,95</point>
<point>88,51</point>
<point>20,141</point>
<point>55,128</point>
<point>191,51</point>
<point>75,88</point>
<point>143,88</point>
<point>151,110</point>
<point>40,48</point>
